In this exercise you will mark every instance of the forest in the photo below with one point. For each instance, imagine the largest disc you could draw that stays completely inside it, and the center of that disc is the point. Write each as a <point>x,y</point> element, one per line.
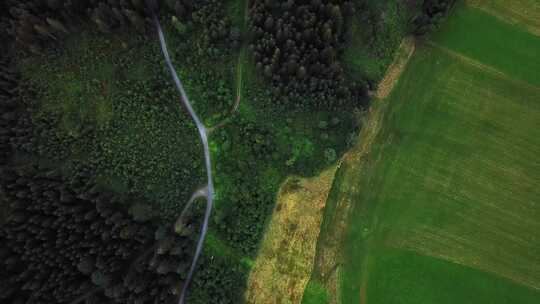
<point>97,158</point>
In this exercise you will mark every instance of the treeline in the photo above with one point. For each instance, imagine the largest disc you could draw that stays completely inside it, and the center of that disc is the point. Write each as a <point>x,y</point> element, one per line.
<point>432,12</point>
<point>297,46</point>
<point>64,241</point>
<point>34,24</point>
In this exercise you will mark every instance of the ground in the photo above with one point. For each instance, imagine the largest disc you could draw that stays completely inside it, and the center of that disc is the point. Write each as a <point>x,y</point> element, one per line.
<point>444,205</point>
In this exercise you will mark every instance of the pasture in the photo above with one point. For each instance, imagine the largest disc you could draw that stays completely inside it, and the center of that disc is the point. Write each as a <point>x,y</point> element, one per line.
<point>446,207</point>
<point>457,181</point>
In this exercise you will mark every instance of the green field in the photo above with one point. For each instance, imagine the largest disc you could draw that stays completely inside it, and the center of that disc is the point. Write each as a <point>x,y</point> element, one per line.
<point>446,206</point>
<point>422,279</point>
<point>482,37</point>
<point>524,13</point>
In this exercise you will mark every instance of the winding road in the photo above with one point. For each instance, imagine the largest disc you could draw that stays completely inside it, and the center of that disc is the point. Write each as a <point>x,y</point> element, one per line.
<point>207,191</point>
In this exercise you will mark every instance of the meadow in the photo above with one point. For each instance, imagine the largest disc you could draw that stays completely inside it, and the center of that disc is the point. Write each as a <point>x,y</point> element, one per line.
<point>445,206</point>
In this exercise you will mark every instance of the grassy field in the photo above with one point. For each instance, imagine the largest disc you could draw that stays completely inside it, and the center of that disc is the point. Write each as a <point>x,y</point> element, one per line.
<point>457,177</point>
<point>414,276</point>
<point>524,13</point>
<point>482,37</point>
<point>446,206</point>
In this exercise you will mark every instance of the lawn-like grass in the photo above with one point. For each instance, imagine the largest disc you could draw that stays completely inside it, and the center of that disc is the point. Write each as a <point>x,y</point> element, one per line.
<point>406,277</point>
<point>446,208</point>
<point>488,39</point>
<point>525,13</point>
<point>456,181</point>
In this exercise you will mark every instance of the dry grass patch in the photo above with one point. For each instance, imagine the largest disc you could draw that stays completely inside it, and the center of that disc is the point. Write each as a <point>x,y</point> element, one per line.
<point>285,260</point>
<point>404,53</point>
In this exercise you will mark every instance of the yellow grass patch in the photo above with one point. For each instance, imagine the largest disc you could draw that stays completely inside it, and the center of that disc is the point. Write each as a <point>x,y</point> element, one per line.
<point>283,265</point>
<point>404,53</point>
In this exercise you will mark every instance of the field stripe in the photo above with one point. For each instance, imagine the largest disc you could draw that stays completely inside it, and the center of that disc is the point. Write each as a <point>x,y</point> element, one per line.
<point>481,36</point>
<point>525,13</point>
<point>484,67</point>
<point>487,224</point>
<point>404,53</point>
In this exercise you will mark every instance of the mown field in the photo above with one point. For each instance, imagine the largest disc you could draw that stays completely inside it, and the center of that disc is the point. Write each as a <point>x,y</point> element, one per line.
<point>523,13</point>
<point>457,181</point>
<point>446,207</point>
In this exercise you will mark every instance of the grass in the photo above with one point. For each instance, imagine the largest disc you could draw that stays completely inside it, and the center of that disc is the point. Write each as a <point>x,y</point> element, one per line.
<point>503,46</point>
<point>525,13</point>
<point>459,174</point>
<point>422,280</point>
<point>315,294</point>
<point>372,44</point>
<point>285,258</point>
<point>455,182</point>
<point>444,205</point>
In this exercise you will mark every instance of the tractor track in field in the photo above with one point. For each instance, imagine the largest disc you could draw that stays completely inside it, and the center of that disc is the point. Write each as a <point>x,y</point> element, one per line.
<point>239,75</point>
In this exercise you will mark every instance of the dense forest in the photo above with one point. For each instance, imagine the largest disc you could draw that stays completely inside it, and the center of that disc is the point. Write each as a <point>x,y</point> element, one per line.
<point>97,158</point>
<point>297,46</point>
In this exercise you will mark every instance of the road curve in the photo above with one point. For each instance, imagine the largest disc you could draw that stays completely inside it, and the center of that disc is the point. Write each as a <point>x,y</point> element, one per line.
<point>208,191</point>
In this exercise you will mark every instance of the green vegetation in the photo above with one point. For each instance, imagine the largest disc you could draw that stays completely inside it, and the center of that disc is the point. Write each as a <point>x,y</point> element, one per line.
<point>501,43</point>
<point>267,143</point>
<point>406,277</point>
<point>71,242</point>
<point>376,31</point>
<point>297,48</point>
<point>444,207</point>
<point>315,294</point>
<point>89,109</point>
<point>524,13</point>
<point>113,118</point>
<point>94,109</point>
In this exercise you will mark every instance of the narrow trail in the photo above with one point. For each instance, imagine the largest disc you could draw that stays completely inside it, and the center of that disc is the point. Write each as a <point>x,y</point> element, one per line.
<point>239,74</point>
